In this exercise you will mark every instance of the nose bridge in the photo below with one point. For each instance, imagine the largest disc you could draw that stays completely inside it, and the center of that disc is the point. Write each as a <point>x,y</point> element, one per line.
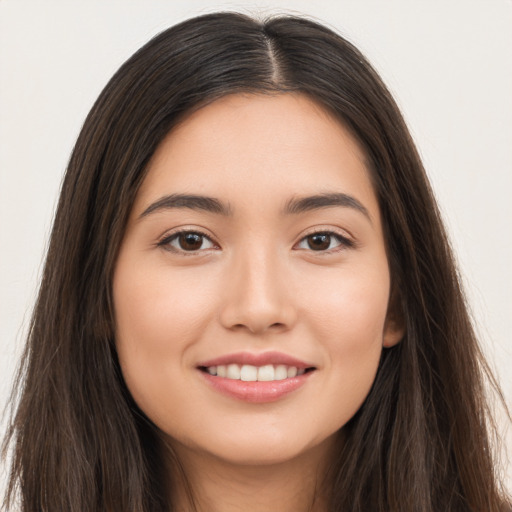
<point>256,297</point>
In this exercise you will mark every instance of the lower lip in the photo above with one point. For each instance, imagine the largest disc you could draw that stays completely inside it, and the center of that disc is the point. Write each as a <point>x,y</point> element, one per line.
<point>256,392</point>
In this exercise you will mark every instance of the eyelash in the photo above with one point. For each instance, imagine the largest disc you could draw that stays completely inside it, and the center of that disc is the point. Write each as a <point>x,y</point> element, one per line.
<point>343,241</point>
<point>165,243</point>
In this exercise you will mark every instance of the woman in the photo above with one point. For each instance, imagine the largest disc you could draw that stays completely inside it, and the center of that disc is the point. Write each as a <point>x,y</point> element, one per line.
<point>249,301</point>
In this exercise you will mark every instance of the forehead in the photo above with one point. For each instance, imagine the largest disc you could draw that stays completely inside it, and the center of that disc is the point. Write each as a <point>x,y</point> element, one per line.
<point>258,146</point>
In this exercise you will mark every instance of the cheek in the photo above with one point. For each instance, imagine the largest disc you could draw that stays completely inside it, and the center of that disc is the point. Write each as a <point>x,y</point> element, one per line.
<point>159,310</point>
<point>157,319</point>
<point>348,305</point>
<point>348,317</point>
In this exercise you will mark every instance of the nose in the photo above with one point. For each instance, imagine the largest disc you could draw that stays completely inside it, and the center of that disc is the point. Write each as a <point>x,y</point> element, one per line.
<point>257,298</point>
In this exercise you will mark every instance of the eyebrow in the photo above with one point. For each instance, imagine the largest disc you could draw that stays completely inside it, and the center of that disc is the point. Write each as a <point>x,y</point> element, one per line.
<point>327,200</point>
<point>191,201</point>
<point>294,206</point>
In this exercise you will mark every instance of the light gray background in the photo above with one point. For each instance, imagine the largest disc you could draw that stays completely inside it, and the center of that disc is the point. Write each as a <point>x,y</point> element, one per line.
<point>448,63</point>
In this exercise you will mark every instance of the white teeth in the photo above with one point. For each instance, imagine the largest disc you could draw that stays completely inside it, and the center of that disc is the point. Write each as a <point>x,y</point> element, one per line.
<point>233,372</point>
<point>281,372</point>
<point>266,373</point>
<point>291,372</point>
<point>250,373</point>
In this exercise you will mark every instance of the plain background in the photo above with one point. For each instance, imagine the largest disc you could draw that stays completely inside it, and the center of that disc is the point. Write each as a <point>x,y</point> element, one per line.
<point>448,64</point>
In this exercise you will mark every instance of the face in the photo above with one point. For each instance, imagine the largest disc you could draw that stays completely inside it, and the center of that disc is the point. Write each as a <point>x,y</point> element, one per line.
<point>252,285</point>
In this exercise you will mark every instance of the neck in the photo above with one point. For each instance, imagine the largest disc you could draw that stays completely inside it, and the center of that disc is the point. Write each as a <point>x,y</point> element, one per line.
<point>205,483</point>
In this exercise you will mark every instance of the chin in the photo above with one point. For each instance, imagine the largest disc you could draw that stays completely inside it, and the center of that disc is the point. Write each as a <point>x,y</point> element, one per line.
<point>264,449</point>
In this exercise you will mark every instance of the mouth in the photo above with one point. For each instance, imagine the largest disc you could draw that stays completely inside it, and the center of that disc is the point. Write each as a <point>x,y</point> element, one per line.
<point>252,373</point>
<point>256,378</point>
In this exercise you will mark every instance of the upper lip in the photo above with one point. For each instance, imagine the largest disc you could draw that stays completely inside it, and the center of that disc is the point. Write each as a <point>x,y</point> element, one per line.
<point>260,359</point>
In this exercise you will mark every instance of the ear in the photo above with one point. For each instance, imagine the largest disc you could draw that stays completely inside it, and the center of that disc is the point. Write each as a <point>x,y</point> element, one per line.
<point>394,326</point>
<point>393,333</point>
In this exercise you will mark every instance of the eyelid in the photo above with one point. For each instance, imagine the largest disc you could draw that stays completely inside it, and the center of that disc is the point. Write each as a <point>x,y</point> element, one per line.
<point>346,241</point>
<point>168,236</point>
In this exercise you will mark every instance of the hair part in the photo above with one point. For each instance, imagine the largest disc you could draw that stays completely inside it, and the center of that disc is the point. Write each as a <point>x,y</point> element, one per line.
<point>420,442</point>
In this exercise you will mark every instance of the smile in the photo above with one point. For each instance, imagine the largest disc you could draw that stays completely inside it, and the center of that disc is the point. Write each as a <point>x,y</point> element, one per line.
<point>250,373</point>
<point>256,378</point>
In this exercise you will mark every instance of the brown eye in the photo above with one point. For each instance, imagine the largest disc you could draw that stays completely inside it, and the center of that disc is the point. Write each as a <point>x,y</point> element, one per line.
<point>319,241</point>
<point>187,241</point>
<point>190,241</point>
<point>324,241</point>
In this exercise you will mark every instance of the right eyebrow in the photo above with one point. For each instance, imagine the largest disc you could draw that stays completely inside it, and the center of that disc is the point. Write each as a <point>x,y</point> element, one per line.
<point>325,200</point>
<point>191,201</point>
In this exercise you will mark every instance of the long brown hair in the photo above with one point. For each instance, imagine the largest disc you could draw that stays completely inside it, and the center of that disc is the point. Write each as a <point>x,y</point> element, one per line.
<point>420,442</point>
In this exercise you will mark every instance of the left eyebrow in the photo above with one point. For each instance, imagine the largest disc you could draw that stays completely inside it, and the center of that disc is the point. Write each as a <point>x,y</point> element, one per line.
<point>316,202</point>
<point>191,201</point>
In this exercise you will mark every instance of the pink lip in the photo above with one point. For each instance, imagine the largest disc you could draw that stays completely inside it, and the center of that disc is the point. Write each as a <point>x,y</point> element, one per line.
<point>256,392</point>
<point>256,360</point>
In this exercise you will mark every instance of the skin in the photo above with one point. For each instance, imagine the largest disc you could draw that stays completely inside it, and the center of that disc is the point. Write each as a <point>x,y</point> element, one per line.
<point>254,285</point>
